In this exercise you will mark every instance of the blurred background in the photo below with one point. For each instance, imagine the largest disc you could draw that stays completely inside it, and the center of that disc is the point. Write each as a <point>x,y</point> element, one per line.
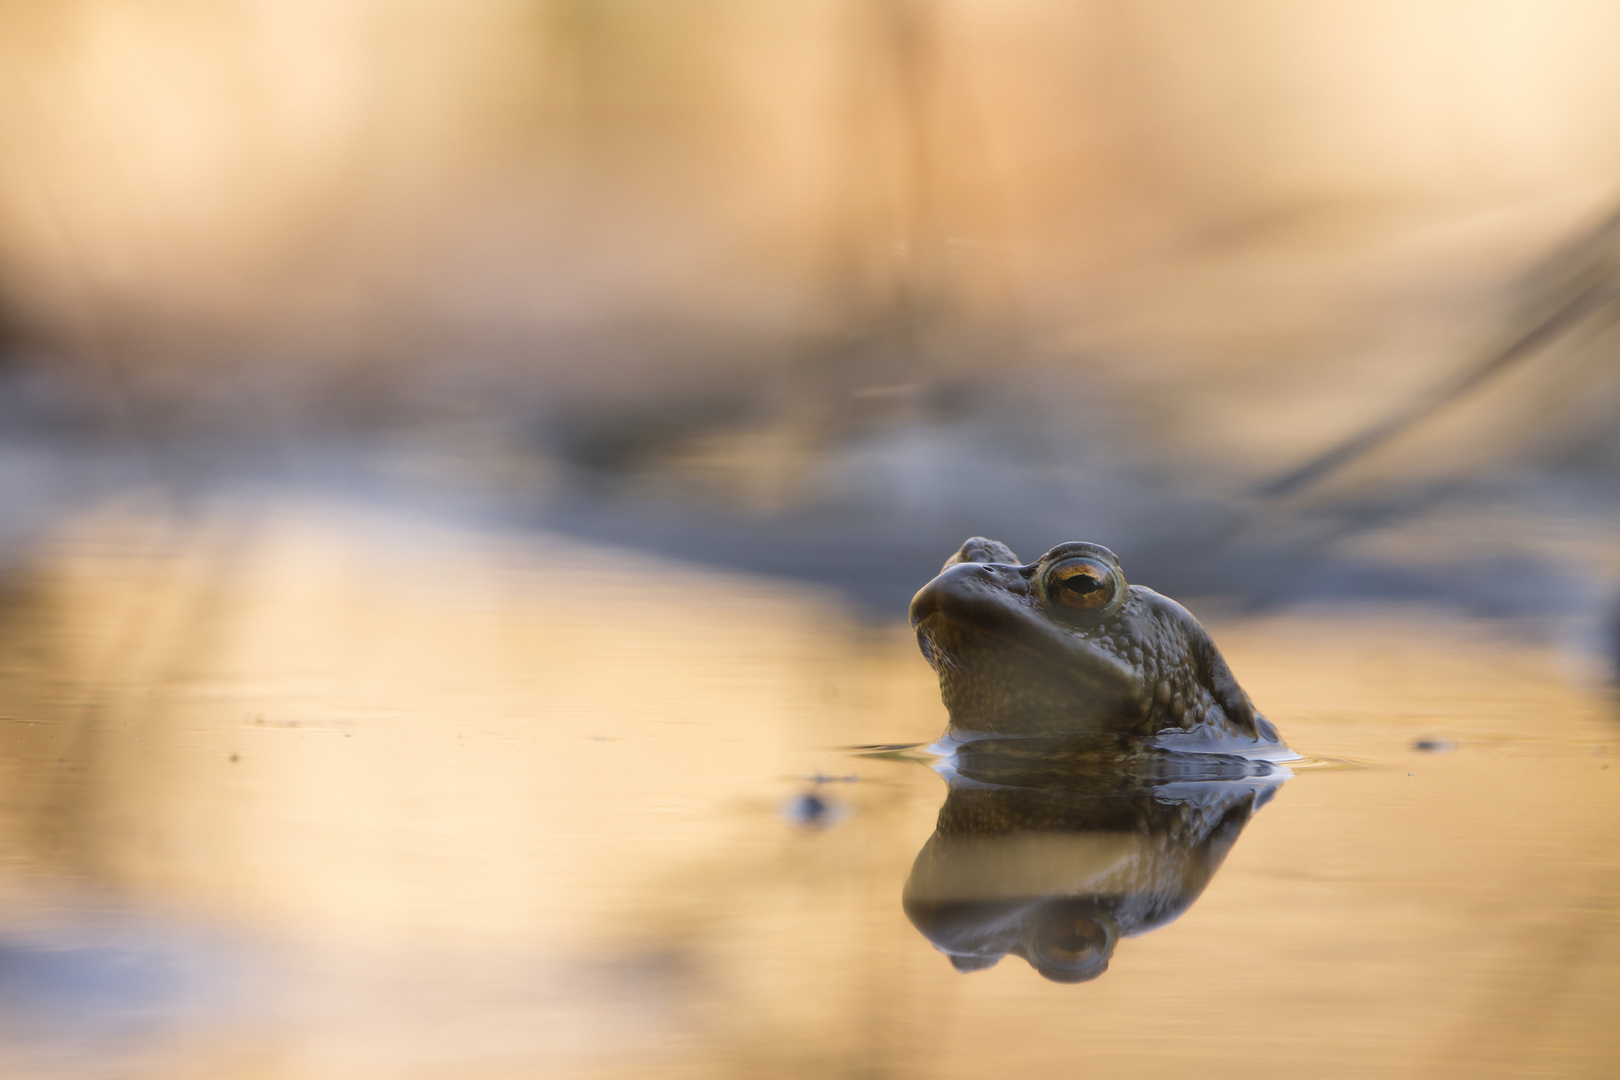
<point>818,287</point>
<point>466,462</point>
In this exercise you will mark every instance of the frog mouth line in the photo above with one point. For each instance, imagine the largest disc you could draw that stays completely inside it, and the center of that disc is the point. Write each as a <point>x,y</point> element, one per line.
<point>953,628</point>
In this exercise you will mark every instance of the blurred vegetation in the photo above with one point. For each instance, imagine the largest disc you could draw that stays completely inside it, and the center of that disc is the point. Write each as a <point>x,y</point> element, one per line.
<point>835,274</point>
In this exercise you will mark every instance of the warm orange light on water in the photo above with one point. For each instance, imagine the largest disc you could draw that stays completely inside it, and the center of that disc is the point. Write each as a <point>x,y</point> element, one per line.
<point>464,801</point>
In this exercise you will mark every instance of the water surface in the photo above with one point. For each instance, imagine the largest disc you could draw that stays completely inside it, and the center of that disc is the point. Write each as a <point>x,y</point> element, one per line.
<point>297,790</point>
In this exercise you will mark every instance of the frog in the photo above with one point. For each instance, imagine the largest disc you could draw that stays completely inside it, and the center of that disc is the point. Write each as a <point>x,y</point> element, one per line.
<point>1065,647</point>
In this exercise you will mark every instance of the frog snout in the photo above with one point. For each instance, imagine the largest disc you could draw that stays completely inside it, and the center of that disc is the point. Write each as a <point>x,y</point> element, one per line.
<point>960,590</point>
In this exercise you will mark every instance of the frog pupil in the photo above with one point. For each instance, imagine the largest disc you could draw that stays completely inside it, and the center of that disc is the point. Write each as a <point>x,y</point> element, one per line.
<point>1081,586</point>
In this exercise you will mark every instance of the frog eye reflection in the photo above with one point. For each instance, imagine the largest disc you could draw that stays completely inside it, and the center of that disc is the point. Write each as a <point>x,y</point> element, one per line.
<point>1081,585</point>
<point>1071,941</point>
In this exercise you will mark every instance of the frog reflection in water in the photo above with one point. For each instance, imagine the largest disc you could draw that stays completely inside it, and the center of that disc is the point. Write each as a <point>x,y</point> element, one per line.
<point>1102,759</point>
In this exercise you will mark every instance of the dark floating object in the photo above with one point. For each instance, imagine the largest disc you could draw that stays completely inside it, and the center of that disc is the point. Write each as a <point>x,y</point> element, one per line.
<point>1102,760</point>
<point>809,809</point>
<point>813,808</point>
<point>1434,746</point>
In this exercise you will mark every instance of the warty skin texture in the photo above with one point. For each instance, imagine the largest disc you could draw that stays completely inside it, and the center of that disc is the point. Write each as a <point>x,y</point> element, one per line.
<point>1016,656</point>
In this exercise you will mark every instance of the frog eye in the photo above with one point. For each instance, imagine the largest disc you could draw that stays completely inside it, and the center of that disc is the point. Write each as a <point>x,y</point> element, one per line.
<point>1082,587</point>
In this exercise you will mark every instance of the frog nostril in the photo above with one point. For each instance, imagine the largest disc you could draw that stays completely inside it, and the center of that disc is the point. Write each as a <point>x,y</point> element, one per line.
<point>1012,579</point>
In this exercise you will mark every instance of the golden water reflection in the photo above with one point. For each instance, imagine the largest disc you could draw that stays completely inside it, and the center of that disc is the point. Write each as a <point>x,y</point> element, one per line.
<point>301,791</point>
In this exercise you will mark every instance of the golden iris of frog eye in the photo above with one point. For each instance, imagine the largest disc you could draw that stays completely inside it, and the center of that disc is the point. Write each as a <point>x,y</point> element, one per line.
<point>1082,587</point>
